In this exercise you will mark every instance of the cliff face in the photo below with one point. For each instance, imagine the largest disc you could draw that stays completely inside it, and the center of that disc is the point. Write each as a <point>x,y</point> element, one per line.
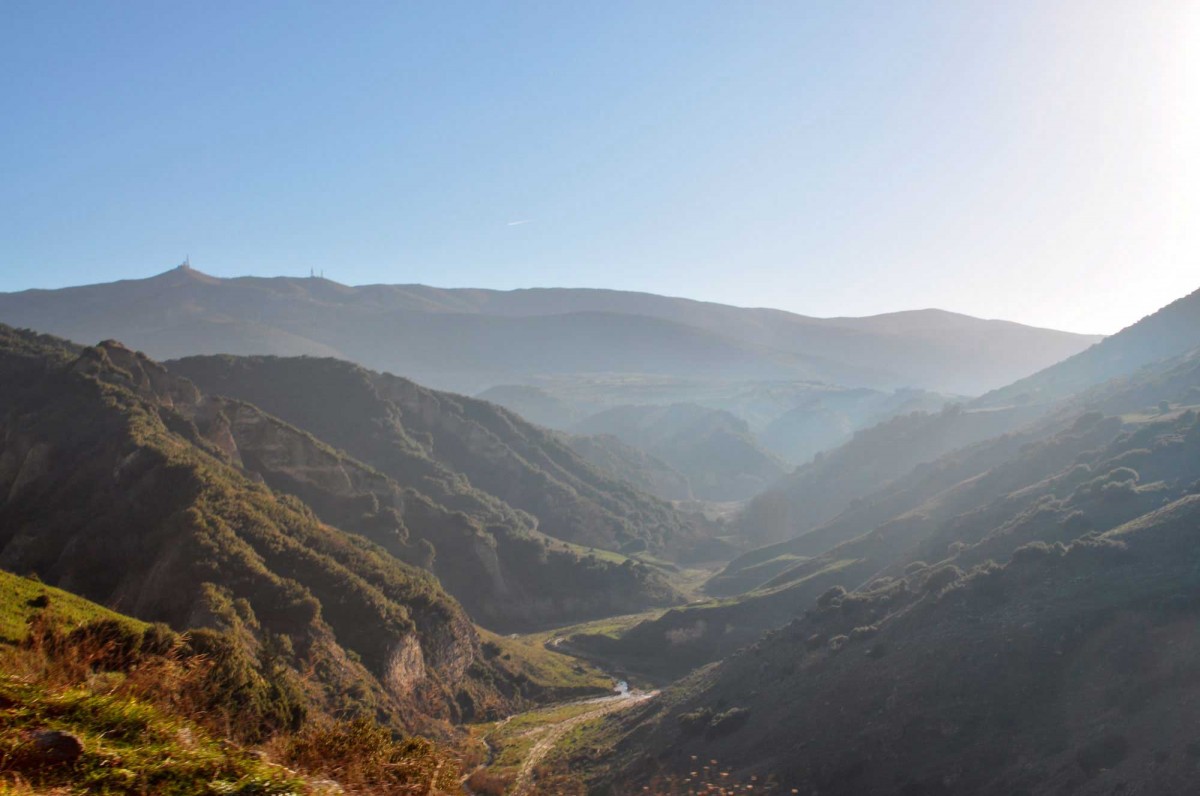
<point>127,485</point>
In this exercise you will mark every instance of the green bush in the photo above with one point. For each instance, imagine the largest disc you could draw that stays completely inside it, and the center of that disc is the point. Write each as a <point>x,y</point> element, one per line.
<point>696,721</point>
<point>728,722</point>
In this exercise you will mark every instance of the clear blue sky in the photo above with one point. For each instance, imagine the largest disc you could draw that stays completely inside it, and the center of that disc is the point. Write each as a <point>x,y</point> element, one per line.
<point>1023,159</point>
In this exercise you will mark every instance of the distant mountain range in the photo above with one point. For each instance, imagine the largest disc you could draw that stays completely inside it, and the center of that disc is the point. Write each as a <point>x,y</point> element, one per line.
<point>469,340</point>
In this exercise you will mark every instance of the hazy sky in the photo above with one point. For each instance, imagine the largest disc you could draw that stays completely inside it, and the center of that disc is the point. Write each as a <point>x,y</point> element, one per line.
<point>1038,161</point>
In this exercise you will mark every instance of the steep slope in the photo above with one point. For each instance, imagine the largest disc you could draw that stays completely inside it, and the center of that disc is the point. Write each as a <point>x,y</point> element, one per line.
<point>469,340</point>
<point>95,702</point>
<point>1152,393</point>
<point>1169,332</point>
<point>536,405</point>
<point>445,443</point>
<point>1082,472</point>
<point>648,473</point>
<point>109,488</point>
<point>506,574</point>
<point>714,449</point>
<point>816,492</point>
<point>1070,669</point>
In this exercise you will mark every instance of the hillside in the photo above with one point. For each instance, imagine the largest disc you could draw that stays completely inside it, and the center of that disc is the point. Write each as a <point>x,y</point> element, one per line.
<point>468,340</point>
<point>112,491</point>
<point>1166,333</point>
<point>648,473</point>
<point>488,556</point>
<point>713,449</point>
<point>446,444</point>
<point>818,491</point>
<point>821,489</point>
<point>791,420</point>
<point>1079,472</point>
<point>1069,669</point>
<point>92,701</point>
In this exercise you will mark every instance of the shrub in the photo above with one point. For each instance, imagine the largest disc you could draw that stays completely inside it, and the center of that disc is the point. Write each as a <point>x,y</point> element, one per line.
<point>728,722</point>
<point>696,721</point>
<point>360,754</point>
<point>1037,551</point>
<point>486,783</point>
<point>832,596</point>
<point>112,645</point>
<point>942,577</point>
<point>865,631</point>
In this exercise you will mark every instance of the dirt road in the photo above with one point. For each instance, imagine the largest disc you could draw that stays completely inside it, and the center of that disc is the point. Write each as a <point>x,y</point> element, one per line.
<point>552,734</point>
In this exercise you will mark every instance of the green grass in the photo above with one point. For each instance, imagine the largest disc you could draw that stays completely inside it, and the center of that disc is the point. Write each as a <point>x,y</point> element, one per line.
<point>600,553</point>
<point>512,739</point>
<point>130,747</point>
<point>550,670</point>
<point>609,626</point>
<point>788,578</point>
<point>17,597</point>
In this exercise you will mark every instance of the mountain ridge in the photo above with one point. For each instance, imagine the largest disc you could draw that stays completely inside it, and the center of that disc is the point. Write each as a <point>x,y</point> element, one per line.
<point>487,337</point>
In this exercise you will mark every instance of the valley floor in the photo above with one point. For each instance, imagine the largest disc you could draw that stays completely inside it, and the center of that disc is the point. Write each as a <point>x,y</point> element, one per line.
<point>519,744</point>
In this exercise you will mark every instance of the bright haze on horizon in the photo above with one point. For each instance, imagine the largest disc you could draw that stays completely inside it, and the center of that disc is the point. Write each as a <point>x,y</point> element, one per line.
<point>1023,160</point>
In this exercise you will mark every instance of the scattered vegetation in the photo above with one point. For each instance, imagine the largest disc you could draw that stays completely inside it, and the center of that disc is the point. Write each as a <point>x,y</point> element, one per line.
<point>110,705</point>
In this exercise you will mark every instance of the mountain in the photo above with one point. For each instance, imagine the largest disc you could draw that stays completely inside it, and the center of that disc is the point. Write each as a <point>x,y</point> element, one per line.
<point>819,490</point>
<point>1079,471</point>
<point>713,449</point>
<point>1067,669</point>
<point>111,490</point>
<point>449,443</point>
<point>126,484</point>
<point>469,340</point>
<point>1166,333</point>
<point>488,555</point>
<point>1017,616</point>
<point>646,472</point>
<point>537,405</point>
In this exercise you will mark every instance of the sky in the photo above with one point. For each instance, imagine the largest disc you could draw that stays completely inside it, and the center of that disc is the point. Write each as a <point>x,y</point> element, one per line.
<point>1032,160</point>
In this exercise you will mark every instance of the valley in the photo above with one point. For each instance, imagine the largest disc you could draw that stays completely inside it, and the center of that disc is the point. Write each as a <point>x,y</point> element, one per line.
<point>363,554</point>
<point>600,399</point>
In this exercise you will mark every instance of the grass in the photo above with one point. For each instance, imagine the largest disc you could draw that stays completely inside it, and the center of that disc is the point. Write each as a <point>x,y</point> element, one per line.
<point>512,740</point>
<point>552,671</point>
<point>150,717</point>
<point>788,579</point>
<point>1153,415</point>
<point>130,747</point>
<point>609,626</point>
<point>20,599</point>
